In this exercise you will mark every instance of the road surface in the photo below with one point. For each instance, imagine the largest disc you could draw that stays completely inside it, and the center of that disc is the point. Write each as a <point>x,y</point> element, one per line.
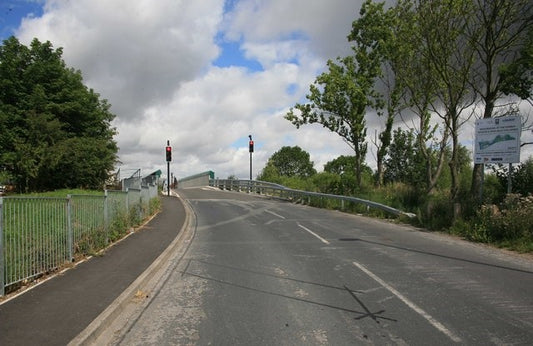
<point>261,271</point>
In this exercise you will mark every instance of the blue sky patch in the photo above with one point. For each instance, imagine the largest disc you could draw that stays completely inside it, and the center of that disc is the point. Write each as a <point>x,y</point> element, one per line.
<point>233,55</point>
<point>12,12</point>
<point>292,89</point>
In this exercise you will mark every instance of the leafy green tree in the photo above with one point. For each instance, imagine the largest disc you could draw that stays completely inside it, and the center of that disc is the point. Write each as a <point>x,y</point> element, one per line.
<point>269,173</point>
<point>288,162</point>
<point>521,177</point>
<point>341,165</point>
<point>54,131</point>
<point>442,25</point>
<point>405,162</point>
<point>326,182</point>
<point>517,76</point>
<point>401,163</point>
<point>374,32</point>
<point>501,32</point>
<point>419,84</point>
<point>435,62</point>
<point>340,98</point>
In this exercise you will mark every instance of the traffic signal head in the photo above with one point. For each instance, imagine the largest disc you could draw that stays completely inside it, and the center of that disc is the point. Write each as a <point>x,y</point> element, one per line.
<point>251,146</point>
<point>169,153</point>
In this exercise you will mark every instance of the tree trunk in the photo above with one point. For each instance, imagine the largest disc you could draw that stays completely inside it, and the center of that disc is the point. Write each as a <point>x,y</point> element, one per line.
<point>477,179</point>
<point>477,173</point>
<point>379,173</point>
<point>454,164</point>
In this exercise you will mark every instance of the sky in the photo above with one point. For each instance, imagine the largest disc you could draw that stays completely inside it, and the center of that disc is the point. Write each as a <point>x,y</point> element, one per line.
<point>203,75</point>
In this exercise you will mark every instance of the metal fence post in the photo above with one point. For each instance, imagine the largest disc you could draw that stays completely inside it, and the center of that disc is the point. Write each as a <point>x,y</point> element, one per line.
<point>2,282</point>
<point>127,200</point>
<point>69,228</point>
<point>106,216</point>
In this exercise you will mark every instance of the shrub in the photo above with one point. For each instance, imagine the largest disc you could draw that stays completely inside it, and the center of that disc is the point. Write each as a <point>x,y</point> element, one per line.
<point>437,213</point>
<point>507,224</point>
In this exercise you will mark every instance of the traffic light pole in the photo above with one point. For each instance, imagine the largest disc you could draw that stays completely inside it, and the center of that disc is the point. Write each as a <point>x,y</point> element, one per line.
<point>250,166</point>
<point>169,157</point>
<point>251,150</point>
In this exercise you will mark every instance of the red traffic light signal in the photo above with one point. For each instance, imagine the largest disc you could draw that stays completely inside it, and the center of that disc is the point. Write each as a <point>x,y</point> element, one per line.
<point>251,146</point>
<point>169,153</point>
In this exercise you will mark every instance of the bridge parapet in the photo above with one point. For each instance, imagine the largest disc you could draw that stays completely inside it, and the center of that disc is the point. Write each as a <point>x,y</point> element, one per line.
<point>197,180</point>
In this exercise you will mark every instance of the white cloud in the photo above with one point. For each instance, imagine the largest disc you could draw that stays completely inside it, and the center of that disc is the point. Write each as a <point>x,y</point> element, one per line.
<point>323,24</point>
<point>154,62</point>
<point>134,53</point>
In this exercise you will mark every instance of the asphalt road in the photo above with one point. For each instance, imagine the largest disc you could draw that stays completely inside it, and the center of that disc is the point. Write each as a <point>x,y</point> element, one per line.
<point>266,272</point>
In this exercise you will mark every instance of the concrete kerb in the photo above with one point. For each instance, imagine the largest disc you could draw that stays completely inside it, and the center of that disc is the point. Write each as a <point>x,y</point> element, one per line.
<point>118,317</point>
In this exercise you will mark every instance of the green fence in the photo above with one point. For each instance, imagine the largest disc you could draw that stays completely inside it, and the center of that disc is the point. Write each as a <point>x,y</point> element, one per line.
<point>41,234</point>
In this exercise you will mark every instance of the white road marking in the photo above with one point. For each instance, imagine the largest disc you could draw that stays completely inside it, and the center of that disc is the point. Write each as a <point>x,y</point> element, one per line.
<point>271,212</point>
<point>313,233</point>
<point>410,304</point>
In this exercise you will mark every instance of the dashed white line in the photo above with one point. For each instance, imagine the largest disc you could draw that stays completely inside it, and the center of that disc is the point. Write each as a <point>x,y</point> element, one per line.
<point>313,233</point>
<point>277,215</point>
<point>410,304</point>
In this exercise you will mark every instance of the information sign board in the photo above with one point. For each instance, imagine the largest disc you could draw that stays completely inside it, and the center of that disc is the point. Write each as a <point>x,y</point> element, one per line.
<point>498,140</point>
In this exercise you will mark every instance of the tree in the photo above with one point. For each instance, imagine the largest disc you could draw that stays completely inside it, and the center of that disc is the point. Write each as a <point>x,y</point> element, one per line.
<point>444,23</point>
<point>521,177</point>
<point>288,162</point>
<point>375,32</point>
<point>340,98</point>
<point>326,182</point>
<point>338,101</point>
<point>269,173</point>
<point>343,167</point>
<point>501,32</point>
<point>400,164</point>
<point>417,79</point>
<point>54,131</point>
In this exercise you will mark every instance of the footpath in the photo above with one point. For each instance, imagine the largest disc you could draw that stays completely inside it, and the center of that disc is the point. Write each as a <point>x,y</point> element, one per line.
<point>57,310</point>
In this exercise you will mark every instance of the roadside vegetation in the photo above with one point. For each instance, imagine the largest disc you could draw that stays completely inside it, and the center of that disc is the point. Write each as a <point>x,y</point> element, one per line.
<point>423,70</point>
<point>502,219</point>
<point>121,222</point>
<point>38,239</point>
<point>55,132</point>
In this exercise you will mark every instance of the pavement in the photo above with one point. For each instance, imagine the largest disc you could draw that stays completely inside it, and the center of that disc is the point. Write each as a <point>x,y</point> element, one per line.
<point>76,305</point>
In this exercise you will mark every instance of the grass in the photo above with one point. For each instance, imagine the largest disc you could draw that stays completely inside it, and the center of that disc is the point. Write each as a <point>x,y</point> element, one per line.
<point>36,238</point>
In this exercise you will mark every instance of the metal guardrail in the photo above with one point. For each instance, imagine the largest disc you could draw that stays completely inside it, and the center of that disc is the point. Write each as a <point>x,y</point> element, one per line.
<point>40,234</point>
<point>263,187</point>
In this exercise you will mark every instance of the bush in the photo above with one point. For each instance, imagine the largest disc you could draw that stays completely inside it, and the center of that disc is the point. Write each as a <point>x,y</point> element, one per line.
<point>437,212</point>
<point>507,224</point>
<point>327,183</point>
<point>154,205</point>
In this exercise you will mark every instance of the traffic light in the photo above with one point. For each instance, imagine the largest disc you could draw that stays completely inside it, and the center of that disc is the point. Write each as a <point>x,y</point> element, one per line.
<point>169,153</point>
<point>251,146</point>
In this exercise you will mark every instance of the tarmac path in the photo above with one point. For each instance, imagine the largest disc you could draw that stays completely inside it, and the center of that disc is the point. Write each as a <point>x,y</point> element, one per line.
<point>57,310</point>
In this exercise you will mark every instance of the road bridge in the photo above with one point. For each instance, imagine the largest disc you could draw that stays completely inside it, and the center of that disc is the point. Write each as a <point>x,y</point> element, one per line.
<point>256,270</point>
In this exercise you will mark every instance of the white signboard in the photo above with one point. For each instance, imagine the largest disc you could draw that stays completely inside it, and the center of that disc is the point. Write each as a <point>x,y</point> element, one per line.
<point>498,140</point>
